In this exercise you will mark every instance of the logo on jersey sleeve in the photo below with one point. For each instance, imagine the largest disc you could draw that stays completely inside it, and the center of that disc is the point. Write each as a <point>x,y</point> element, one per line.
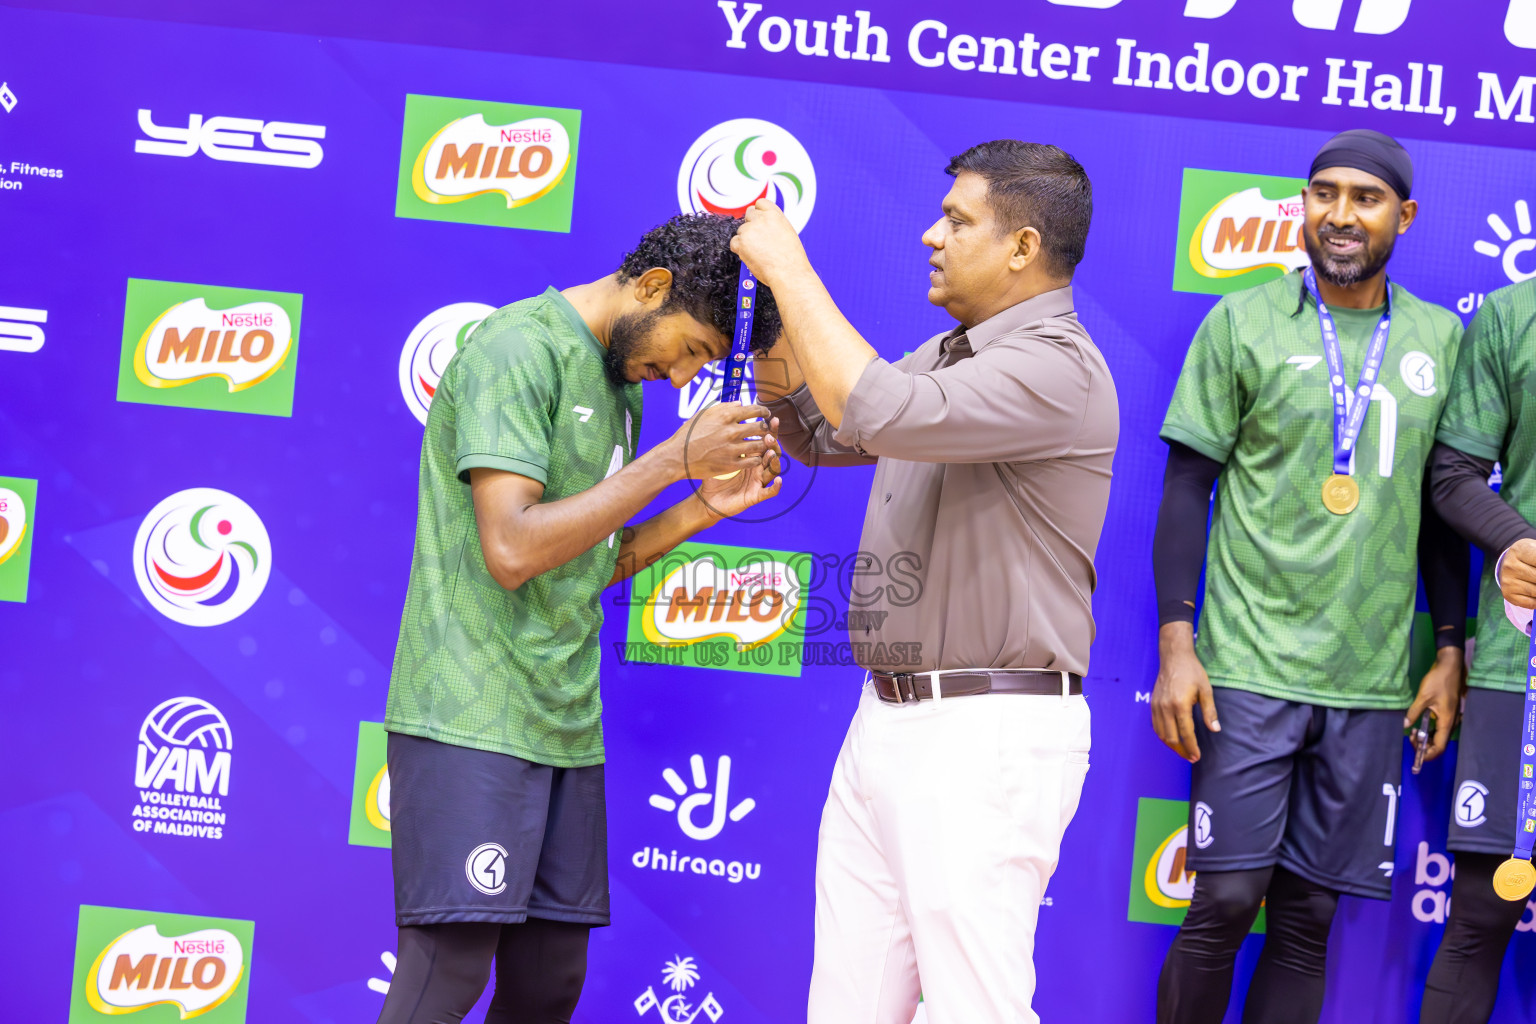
<point>202,557</point>
<point>204,347</point>
<point>501,164</point>
<point>130,960</point>
<point>430,345</point>
<point>1237,230</point>
<point>17,498</point>
<point>370,788</point>
<point>736,163</point>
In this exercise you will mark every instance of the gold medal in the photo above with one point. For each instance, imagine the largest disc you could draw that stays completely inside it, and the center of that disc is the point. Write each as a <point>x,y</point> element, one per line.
<point>1514,880</point>
<point>1340,494</point>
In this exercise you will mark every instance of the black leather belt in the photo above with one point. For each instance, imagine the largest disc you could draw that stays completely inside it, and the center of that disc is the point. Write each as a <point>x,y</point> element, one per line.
<point>906,687</point>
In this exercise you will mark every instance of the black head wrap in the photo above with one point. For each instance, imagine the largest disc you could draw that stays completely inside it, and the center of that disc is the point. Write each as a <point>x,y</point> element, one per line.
<point>1371,152</point>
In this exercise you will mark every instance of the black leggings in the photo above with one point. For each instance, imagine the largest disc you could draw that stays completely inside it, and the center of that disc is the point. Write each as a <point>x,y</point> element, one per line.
<point>443,968</point>
<point>1464,979</point>
<point>1288,986</point>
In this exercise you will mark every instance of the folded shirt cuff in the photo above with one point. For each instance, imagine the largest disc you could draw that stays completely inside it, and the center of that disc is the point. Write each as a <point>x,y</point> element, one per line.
<point>879,394</point>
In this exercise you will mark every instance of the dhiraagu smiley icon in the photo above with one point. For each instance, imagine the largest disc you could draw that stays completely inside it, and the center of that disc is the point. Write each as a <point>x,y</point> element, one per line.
<point>208,347</point>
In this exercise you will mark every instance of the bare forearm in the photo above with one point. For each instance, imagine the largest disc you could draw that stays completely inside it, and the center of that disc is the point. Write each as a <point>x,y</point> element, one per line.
<point>829,352</point>
<point>534,538</point>
<point>645,542</point>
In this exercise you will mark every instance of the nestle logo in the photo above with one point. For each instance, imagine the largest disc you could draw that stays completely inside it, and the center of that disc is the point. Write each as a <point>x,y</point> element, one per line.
<point>246,319</point>
<point>199,946</point>
<point>1289,209</point>
<point>527,135</point>
<point>756,579</point>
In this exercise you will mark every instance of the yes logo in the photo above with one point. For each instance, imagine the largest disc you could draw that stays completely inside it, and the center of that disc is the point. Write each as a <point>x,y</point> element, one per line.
<point>1162,883</point>
<point>21,328</point>
<point>501,164</point>
<point>203,347</point>
<point>370,788</point>
<point>1237,230</point>
<point>130,960</point>
<point>716,802</point>
<point>17,499</point>
<point>202,557</point>
<point>283,143</point>
<point>722,607</point>
<point>431,343</point>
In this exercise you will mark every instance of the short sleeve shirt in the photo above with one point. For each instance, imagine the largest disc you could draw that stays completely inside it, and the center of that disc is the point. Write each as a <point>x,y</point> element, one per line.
<point>1302,604</point>
<point>1486,416</point>
<point>477,665</point>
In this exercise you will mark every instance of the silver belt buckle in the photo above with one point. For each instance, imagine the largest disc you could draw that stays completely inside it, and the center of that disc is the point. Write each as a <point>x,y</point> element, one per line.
<point>910,696</point>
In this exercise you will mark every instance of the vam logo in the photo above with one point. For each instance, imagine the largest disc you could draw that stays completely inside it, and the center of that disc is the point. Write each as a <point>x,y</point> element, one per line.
<point>736,163</point>
<point>430,345</point>
<point>370,788</point>
<point>204,347</point>
<point>17,498</point>
<point>202,557</point>
<point>283,143</point>
<point>1237,230</point>
<point>680,974</point>
<point>1509,250</point>
<point>181,770</point>
<point>21,328</point>
<point>129,960</point>
<point>501,164</point>
<point>719,606</point>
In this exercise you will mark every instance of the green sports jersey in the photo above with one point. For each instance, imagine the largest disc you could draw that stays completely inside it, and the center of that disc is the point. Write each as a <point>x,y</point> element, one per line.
<point>1302,604</point>
<point>478,665</point>
<point>1495,377</point>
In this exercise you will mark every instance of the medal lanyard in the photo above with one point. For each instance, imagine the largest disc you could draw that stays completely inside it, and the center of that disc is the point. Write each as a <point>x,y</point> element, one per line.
<point>1348,419</point>
<point>741,341</point>
<point>1525,820</point>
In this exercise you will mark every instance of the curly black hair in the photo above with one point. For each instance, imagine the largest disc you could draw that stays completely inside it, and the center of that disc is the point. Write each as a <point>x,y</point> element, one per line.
<point>696,248</point>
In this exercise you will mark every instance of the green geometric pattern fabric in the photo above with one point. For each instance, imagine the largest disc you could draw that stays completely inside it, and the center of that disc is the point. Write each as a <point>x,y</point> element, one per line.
<point>1495,386</point>
<point>477,665</point>
<point>1302,604</point>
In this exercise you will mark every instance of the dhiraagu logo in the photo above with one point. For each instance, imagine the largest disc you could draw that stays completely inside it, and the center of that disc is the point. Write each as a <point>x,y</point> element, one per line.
<point>370,788</point>
<point>207,347</point>
<point>128,961</point>
<point>501,164</point>
<point>718,606</point>
<point>18,498</point>
<point>1236,230</point>
<point>1162,883</point>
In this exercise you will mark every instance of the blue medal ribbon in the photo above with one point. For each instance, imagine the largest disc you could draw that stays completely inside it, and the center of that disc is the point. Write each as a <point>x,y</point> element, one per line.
<point>1348,419</point>
<point>741,341</point>
<point>1525,803</point>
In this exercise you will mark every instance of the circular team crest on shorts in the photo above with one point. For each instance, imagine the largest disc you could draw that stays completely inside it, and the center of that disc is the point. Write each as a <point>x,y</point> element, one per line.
<point>202,557</point>
<point>1471,804</point>
<point>486,868</point>
<point>1204,836</point>
<point>1418,372</point>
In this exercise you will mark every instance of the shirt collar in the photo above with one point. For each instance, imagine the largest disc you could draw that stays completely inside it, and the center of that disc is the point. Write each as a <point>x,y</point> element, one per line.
<point>1057,302</point>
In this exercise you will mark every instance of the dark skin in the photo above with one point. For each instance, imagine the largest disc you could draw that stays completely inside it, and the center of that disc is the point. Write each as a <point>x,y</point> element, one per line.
<point>1350,215</point>
<point>521,535</point>
<point>980,268</point>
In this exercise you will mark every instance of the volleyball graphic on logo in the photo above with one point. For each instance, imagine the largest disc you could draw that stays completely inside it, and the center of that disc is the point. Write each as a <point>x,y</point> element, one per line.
<point>202,557</point>
<point>186,722</point>
<point>738,162</point>
<point>13,523</point>
<point>430,345</point>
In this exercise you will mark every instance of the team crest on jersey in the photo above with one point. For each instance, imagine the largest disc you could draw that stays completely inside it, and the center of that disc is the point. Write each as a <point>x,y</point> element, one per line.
<point>1418,372</point>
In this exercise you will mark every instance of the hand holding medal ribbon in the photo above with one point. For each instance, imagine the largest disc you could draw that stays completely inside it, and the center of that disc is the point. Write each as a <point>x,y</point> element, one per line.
<point>1340,491</point>
<point>1516,878</point>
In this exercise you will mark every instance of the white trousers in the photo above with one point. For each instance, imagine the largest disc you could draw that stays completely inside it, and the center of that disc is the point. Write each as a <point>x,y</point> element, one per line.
<point>942,828</point>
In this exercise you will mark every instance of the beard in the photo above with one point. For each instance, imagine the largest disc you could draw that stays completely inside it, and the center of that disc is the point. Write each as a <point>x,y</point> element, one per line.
<point>1344,271</point>
<point>626,340</point>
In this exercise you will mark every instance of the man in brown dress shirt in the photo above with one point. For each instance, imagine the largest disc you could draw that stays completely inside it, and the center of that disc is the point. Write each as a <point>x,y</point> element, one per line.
<point>992,444</point>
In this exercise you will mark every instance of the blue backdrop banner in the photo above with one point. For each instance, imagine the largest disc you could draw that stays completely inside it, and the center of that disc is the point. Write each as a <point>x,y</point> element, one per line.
<point>239,243</point>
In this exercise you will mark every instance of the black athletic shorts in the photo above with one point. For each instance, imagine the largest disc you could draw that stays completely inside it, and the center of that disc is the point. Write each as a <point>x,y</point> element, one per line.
<point>1309,788</point>
<point>480,836</point>
<point>1488,782</point>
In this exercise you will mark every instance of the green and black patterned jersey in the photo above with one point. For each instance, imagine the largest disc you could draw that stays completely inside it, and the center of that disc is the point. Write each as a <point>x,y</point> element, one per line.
<point>1302,604</point>
<point>478,665</point>
<point>1487,416</point>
